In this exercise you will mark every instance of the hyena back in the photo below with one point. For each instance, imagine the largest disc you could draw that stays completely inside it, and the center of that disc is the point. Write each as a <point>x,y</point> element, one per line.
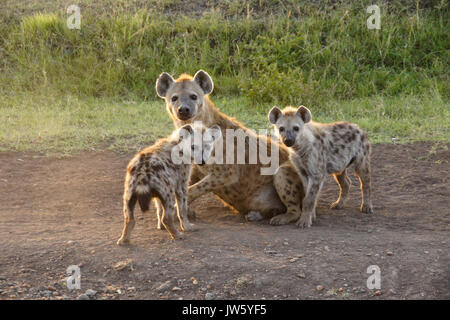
<point>153,173</point>
<point>319,149</point>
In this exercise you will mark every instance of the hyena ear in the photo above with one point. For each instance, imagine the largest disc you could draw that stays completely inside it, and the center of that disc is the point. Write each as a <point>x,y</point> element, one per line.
<point>216,132</point>
<point>274,115</point>
<point>203,79</point>
<point>163,84</point>
<point>304,113</point>
<point>185,131</point>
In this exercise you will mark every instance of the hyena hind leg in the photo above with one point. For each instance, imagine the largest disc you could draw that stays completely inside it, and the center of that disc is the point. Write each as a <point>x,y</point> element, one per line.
<point>169,216</point>
<point>159,213</point>
<point>290,190</point>
<point>362,171</point>
<point>344,184</point>
<point>129,203</point>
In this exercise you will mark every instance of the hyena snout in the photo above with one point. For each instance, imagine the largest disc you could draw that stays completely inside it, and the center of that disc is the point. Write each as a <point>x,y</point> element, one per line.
<point>184,112</point>
<point>287,136</point>
<point>289,142</point>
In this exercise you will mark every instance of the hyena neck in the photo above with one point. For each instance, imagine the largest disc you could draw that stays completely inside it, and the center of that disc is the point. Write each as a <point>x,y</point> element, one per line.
<point>303,144</point>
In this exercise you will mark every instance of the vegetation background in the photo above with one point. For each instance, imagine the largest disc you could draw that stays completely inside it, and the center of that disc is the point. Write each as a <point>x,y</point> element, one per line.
<point>67,90</point>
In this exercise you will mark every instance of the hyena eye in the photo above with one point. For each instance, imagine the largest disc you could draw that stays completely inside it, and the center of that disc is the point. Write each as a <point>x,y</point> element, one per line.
<point>296,128</point>
<point>192,148</point>
<point>281,129</point>
<point>174,98</point>
<point>193,97</point>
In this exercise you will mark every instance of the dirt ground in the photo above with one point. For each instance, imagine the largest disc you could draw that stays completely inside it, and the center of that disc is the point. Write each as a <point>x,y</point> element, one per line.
<point>57,212</point>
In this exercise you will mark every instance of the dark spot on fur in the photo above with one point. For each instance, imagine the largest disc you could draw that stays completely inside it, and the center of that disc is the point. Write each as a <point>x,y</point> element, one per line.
<point>364,136</point>
<point>317,136</point>
<point>303,172</point>
<point>157,167</point>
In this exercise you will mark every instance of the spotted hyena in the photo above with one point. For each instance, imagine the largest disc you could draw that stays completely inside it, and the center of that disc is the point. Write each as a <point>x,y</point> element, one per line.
<point>319,149</point>
<point>239,186</point>
<point>162,172</point>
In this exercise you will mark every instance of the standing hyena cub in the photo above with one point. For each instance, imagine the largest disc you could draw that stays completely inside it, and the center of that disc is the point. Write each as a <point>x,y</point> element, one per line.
<point>320,149</point>
<point>162,171</point>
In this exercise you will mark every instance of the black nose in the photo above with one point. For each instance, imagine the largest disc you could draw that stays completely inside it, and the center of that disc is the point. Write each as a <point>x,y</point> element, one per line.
<point>183,110</point>
<point>289,142</point>
<point>203,162</point>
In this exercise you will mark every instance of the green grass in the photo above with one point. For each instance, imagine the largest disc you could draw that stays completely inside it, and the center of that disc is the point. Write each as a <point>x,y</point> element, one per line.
<point>65,125</point>
<point>63,90</point>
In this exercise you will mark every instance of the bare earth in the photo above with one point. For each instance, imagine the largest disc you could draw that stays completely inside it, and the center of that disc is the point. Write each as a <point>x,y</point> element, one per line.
<point>57,212</point>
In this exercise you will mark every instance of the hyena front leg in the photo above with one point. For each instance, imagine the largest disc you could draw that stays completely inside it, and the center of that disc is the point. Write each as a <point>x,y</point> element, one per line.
<point>290,191</point>
<point>210,183</point>
<point>313,188</point>
<point>182,204</point>
<point>129,201</point>
<point>344,183</point>
<point>362,170</point>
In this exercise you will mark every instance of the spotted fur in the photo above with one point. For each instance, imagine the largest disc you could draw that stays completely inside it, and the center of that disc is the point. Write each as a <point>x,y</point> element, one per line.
<point>320,149</point>
<point>153,173</point>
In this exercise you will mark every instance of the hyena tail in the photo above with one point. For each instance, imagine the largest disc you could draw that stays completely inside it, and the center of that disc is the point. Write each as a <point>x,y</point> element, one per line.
<point>144,201</point>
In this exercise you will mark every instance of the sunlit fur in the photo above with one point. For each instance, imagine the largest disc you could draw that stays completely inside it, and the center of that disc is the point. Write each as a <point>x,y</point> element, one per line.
<point>152,173</point>
<point>239,186</point>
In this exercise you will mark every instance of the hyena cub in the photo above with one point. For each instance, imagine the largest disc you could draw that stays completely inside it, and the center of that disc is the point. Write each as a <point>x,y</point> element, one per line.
<point>320,149</point>
<point>162,172</point>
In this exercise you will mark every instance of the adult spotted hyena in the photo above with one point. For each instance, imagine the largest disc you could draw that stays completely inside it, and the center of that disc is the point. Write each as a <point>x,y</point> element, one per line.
<point>162,172</point>
<point>240,186</point>
<point>320,149</point>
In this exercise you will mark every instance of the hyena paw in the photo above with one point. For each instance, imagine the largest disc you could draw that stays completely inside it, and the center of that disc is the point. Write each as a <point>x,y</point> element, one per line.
<point>337,205</point>
<point>192,215</point>
<point>254,216</point>
<point>282,219</point>
<point>304,221</point>
<point>189,227</point>
<point>178,235</point>
<point>366,208</point>
<point>122,241</point>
